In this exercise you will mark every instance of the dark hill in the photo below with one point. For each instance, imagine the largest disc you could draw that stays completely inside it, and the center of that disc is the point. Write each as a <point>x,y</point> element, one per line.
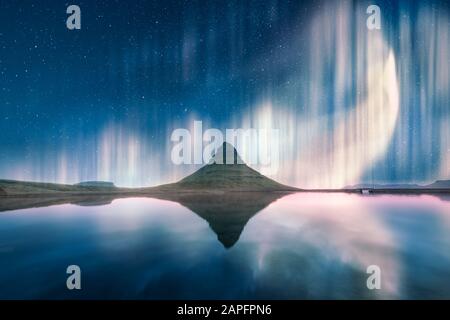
<point>439,184</point>
<point>231,176</point>
<point>102,184</point>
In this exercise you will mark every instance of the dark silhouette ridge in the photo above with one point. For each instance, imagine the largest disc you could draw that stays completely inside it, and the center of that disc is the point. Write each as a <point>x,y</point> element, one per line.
<point>104,184</point>
<point>437,185</point>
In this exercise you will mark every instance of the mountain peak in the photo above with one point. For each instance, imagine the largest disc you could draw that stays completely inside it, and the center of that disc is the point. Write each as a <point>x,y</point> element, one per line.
<point>226,154</point>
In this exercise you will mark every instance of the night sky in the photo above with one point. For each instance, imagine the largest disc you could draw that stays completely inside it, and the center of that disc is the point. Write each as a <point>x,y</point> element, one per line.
<point>352,105</point>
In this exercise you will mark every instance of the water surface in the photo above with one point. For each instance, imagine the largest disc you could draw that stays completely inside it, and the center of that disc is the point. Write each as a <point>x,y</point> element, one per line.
<point>241,246</point>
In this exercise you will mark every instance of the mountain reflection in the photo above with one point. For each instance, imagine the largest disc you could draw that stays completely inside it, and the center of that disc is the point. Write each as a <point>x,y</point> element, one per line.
<point>227,213</point>
<point>294,246</point>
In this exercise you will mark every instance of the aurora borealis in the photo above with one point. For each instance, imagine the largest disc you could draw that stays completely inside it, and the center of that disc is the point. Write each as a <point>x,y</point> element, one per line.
<point>352,105</point>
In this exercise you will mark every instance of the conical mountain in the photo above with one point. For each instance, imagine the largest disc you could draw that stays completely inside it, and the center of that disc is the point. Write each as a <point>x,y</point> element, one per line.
<point>226,171</point>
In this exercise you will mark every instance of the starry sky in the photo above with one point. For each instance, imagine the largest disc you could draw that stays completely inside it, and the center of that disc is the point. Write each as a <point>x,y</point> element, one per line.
<point>352,105</point>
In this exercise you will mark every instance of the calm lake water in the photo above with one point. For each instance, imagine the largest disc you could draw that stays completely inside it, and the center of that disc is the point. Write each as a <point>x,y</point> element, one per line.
<point>297,246</point>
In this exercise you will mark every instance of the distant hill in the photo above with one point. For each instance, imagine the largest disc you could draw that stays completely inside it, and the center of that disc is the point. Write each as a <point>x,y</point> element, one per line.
<point>439,184</point>
<point>104,184</point>
<point>230,176</point>
<point>384,186</point>
<point>13,187</point>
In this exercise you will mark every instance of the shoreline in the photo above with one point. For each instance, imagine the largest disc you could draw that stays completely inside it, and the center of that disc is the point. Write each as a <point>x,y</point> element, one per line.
<point>131,193</point>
